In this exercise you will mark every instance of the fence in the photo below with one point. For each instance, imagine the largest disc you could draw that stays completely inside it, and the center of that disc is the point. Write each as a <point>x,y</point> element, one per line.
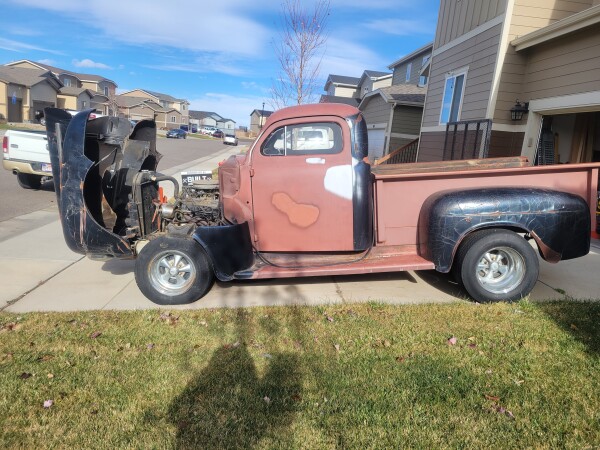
<point>404,154</point>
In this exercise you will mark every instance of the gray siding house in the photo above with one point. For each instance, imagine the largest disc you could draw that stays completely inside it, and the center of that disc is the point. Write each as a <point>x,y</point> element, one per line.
<point>492,58</point>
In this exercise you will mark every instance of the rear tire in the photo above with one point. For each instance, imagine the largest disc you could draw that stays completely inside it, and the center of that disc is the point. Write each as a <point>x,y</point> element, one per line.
<point>29,180</point>
<point>496,265</point>
<point>173,271</point>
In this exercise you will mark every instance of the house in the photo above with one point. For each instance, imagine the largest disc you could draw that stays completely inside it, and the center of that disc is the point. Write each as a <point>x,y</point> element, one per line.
<point>226,125</point>
<point>514,77</point>
<point>393,116</point>
<point>102,88</point>
<point>167,102</point>
<point>392,104</point>
<point>258,117</point>
<point>25,91</point>
<point>140,108</point>
<point>74,98</point>
<point>372,80</point>
<point>341,89</point>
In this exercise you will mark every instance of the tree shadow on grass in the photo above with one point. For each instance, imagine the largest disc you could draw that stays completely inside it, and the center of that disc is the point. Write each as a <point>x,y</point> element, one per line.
<point>230,405</point>
<point>578,318</point>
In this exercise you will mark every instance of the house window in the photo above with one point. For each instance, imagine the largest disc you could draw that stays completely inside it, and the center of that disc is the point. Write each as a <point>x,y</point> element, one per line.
<point>366,90</point>
<point>306,139</point>
<point>83,104</point>
<point>422,80</point>
<point>173,119</point>
<point>453,97</point>
<point>408,69</point>
<point>67,82</point>
<point>106,90</point>
<point>183,106</point>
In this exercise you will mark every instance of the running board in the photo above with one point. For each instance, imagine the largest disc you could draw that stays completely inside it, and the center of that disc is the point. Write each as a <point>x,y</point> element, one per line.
<point>381,263</point>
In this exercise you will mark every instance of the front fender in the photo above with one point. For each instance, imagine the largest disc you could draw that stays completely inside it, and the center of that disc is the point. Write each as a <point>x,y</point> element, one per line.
<point>229,248</point>
<point>558,221</point>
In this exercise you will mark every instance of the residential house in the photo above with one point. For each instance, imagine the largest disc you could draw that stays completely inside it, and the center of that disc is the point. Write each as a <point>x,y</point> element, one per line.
<point>204,118</point>
<point>341,89</point>
<point>258,117</point>
<point>372,80</point>
<point>23,92</point>
<point>140,108</point>
<point>103,88</point>
<point>527,70</point>
<point>167,102</point>
<point>74,98</point>
<point>226,125</point>
<point>392,104</point>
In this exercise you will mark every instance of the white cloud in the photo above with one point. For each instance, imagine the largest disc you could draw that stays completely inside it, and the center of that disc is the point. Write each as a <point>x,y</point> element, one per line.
<point>20,47</point>
<point>189,25</point>
<point>88,63</point>
<point>233,107</point>
<point>48,62</point>
<point>402,27</point>
<point>345,58</point>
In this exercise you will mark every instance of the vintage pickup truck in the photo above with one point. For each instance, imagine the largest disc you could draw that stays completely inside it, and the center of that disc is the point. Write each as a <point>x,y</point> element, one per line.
<point>304,201</point>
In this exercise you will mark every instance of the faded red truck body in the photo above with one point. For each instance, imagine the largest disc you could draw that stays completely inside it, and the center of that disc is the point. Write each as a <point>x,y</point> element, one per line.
<point>304,201</point>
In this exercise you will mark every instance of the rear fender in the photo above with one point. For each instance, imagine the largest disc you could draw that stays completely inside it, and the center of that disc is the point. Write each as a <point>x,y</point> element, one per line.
<point>558,221</point>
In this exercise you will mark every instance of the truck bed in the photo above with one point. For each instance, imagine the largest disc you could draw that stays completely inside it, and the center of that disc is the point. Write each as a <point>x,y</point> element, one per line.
<point>401,189</point>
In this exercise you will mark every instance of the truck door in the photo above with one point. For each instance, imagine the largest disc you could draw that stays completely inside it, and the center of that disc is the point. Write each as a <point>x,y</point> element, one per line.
<point>302,187</point>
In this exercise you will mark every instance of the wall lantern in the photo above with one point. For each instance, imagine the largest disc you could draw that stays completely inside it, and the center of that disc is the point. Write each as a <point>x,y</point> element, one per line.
<point>517,111</point>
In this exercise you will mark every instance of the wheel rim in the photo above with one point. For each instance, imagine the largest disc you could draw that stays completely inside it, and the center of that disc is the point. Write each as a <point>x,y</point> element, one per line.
<point>172,273</point>
<point>500,270</point>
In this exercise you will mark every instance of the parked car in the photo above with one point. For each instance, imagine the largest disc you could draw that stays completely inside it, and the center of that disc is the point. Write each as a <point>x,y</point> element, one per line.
<point>230,139</point>
<point>208,129</point>
<point>176,133</point>
<point>218,134</point>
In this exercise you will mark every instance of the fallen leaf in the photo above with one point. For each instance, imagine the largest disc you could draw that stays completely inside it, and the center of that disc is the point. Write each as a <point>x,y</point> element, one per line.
<point>492,398</point>
<point>128,345</point>
<point>296,397</point>
<point>150,346</point>
<point>574,327</point>
<point>203,323</point>
<point>11,326</point>
<point>267,355</point>
<point>50,375</point>
<point>400,359</point>
<point>45,358</point>
<point>330,319</point>
<point>488,372</point>
<point>519,382</point>
<point>337,347</point>
<point>452,341</point>
<point>471,345</point>
<point>48,403</point>
<point>96,334</point>
<point>266,399</point>
<point>25,375</point>
<point>387,343</point>
<point>236,344</point>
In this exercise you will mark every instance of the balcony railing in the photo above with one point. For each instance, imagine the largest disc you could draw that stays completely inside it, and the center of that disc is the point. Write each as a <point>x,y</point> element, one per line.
<point>404,154</point>
<point>468,139</point>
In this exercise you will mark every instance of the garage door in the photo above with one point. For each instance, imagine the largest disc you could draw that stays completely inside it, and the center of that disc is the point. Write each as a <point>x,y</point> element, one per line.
<point>376,143</point>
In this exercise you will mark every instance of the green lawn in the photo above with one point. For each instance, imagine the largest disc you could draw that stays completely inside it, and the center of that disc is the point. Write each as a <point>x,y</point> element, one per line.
<point>345,376</point>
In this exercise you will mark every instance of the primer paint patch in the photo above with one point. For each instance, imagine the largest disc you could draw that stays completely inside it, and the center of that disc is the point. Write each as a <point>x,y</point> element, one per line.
<point>338,181</point>
<point>298,214</point>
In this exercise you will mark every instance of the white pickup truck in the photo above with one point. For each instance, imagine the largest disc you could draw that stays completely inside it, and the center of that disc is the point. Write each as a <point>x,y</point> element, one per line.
<point>25,153</point>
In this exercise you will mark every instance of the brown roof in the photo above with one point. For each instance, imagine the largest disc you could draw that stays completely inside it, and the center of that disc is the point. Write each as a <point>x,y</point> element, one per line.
<point>27,77</point>
<point>59,71</point>
<point>125,101</point>
<point>69,90</point>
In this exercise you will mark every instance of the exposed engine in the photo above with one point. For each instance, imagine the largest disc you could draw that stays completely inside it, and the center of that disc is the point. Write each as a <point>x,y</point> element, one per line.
<point>198,205</point>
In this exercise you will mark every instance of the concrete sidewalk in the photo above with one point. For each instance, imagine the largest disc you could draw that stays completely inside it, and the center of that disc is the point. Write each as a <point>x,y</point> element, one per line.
<point>39,273</point>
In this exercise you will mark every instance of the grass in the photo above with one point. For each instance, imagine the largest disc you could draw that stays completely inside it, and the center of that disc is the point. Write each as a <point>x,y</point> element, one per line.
<point>344,376</point>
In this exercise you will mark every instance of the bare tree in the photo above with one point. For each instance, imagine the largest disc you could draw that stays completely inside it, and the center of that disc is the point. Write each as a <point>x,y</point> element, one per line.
<point>299,51</point>
<point>113,105</point>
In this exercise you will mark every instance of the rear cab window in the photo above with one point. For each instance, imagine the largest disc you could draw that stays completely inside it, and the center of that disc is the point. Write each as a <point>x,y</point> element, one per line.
<point>320,138</point>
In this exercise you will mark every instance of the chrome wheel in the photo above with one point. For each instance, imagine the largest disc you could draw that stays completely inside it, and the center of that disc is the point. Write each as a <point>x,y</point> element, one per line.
<point>500,270</point>
<point>172,273</point>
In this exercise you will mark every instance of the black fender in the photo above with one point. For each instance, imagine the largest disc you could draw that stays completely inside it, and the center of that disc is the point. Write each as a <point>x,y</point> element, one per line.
<point>559,222</point>
<point>229,248</point>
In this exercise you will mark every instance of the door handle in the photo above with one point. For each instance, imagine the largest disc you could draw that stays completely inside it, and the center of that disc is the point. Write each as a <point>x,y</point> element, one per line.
<point>315,160</point>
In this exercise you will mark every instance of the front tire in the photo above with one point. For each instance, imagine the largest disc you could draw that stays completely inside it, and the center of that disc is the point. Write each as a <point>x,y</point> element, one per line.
<point>173,271</point>
<point>496,265</point>
<point>29,180</point>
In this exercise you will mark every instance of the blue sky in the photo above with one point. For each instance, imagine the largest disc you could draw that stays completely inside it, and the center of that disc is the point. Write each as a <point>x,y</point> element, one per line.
<point>218,55</point>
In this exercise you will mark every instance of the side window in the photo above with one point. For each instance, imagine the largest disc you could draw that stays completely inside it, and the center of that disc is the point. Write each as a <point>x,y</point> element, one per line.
<point>304,139</point>
<point>452,100</point>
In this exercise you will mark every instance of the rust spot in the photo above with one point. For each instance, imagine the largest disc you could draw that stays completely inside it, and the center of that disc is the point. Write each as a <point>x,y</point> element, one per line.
<point>550,255</point>
<point>298,214</point>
